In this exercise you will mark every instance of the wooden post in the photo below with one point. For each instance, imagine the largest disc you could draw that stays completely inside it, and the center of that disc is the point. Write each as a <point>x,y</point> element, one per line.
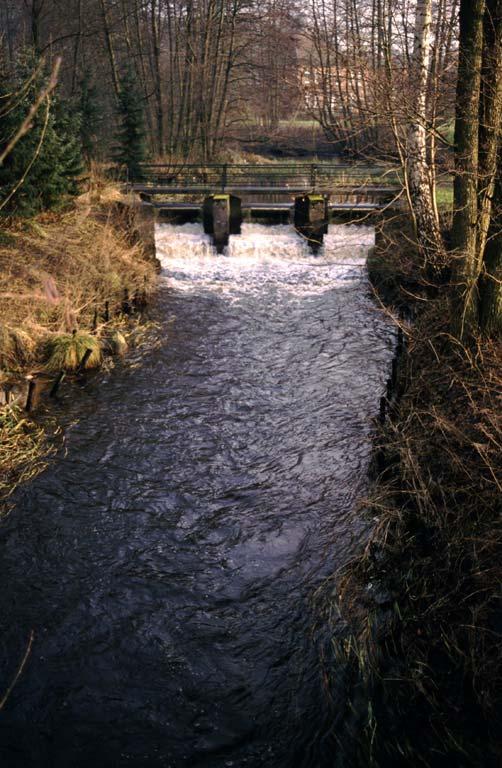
<point>31,395</point>
<point>57,382</point>
<point>126,306</point>
<point>82,364</point>
<point>37,384</point>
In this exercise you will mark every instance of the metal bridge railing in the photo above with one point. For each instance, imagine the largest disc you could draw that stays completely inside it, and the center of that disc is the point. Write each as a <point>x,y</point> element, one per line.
<point>314,176</point>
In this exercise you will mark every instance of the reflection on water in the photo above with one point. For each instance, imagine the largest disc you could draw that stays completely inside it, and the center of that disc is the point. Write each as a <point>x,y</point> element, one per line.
<point>167,560</point>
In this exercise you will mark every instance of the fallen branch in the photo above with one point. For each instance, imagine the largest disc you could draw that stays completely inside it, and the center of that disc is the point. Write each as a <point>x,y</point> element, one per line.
<point>19,671</point>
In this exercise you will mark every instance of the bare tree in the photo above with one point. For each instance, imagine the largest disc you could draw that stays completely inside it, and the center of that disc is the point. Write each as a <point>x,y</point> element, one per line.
<point>477,156</point>
<point>417,169</point>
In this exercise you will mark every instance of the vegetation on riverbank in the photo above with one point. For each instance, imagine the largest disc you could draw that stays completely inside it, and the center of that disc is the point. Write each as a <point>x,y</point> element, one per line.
<point>68,283</point>
<point>24,449</point>
<point>422,602</point>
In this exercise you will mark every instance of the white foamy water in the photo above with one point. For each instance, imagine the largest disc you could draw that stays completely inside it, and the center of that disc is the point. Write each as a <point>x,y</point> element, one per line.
<point>262,254</point>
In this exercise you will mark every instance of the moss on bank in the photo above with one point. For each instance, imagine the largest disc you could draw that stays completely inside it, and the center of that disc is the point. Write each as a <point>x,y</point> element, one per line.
<point>422,602</point>
<point>66,281</point>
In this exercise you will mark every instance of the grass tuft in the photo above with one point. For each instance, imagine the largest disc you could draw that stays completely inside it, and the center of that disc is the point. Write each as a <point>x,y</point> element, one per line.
<point>17,348</point>
<point>66,352</point>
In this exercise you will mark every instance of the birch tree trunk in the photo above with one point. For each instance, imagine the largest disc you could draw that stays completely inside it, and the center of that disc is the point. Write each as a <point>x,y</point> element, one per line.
<point>417,170</point>
<point>490,177</point>
<point>490,284</point>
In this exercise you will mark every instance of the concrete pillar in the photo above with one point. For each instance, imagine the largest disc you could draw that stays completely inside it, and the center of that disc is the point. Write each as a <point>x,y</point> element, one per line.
<point>311,218</point>
<point>222,217</point>
<point>235,215</point>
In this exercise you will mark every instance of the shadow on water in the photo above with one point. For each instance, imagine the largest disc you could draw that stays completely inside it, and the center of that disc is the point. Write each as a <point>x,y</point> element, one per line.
<point>167,559</point>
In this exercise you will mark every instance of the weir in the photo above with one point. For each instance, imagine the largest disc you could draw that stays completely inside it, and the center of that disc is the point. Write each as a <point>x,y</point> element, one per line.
<point>270,192</point>
<point>222,217</point>
<point>268,197</point>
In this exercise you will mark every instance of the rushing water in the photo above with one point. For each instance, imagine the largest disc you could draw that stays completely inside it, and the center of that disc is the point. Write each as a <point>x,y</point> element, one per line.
<point>166,561</point>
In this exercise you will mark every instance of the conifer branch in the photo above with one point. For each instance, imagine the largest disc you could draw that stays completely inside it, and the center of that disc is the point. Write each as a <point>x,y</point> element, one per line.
<point>27,122</point>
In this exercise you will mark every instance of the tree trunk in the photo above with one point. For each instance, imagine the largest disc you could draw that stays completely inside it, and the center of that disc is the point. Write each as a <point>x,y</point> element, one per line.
<point>419,183</point>
<point>157,76</point>
<point>490,284</point>
<point>110,49</point>
<point>464,235</point>
<point>36,16</point>
<point>490,117</point>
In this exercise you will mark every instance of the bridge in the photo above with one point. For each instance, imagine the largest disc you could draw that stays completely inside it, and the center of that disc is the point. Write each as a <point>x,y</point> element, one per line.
<point>267,179</point>
<point>307,193</point>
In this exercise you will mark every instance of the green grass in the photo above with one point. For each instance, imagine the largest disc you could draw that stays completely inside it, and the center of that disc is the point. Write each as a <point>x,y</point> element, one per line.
<point>447,130</point>
<point>444,197</point>
<point>297,122</point>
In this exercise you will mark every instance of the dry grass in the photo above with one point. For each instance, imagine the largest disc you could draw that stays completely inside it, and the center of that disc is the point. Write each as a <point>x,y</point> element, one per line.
<point>59,270</point>
<point>422,602</point>
<point>60,276</point>
<point>24,450</point>
<point>17,348</point>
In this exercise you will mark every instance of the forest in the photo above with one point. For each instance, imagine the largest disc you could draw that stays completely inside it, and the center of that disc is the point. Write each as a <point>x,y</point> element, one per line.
<point>95,95</point>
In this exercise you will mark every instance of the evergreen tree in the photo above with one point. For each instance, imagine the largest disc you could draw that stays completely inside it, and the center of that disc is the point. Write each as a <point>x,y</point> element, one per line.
<point>67,123</point>
<point>41,170</point>
<point>89,113</point>
<point>131,147</point>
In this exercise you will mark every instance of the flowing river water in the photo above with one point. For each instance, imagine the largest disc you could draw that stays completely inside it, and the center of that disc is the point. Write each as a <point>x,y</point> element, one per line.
<point>167,559</point>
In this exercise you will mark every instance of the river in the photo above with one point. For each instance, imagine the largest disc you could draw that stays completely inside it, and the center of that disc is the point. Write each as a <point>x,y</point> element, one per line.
<point>167,559</point>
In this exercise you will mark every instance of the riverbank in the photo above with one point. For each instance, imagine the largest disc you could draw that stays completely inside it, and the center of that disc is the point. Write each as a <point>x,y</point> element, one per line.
<point>422,602</point>
<point>71,281</point>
